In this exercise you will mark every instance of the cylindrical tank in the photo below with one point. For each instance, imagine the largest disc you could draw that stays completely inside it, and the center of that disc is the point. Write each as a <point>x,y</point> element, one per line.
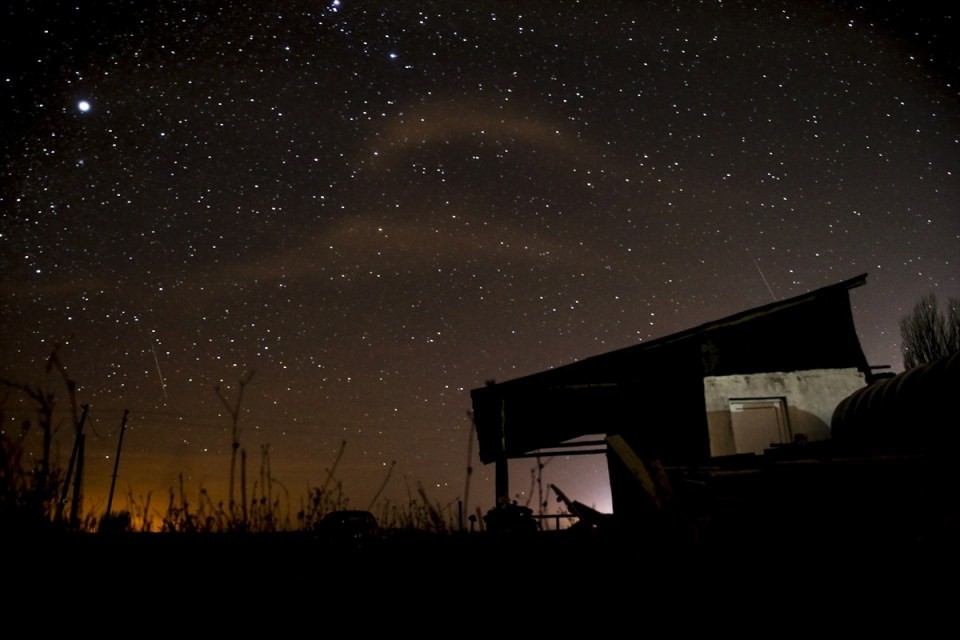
<point>917,410</point>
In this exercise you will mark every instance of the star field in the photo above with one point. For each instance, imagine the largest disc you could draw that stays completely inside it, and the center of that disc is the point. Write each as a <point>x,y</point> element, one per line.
<point>375,207</point>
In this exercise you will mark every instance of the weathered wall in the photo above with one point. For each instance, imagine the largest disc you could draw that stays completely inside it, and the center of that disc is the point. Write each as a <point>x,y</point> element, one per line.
<point>811,397</point>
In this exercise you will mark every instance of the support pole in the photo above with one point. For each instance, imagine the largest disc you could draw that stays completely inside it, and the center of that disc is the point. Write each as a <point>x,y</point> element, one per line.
<point>73,463</point>
<point>116,462</point>
<point>502,481</point>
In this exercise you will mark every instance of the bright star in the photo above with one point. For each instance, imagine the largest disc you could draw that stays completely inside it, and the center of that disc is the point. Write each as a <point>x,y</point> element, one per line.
<point>84,106</point>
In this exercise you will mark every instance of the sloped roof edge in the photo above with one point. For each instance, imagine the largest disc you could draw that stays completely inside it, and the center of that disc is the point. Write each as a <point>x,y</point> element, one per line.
<point>737,318</point>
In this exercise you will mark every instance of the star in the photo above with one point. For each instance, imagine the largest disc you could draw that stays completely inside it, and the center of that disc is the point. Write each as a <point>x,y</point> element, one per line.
<point>447,198</point>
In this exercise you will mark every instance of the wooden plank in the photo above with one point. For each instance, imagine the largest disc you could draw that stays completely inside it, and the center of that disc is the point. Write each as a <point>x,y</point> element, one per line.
<point>635,465</point>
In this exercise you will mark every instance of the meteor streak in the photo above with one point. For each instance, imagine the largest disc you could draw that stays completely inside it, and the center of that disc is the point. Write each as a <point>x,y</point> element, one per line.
<point>163,384</point>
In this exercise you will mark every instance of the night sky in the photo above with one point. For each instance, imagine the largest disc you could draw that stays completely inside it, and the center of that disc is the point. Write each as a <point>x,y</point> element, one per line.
<point>375,207</point>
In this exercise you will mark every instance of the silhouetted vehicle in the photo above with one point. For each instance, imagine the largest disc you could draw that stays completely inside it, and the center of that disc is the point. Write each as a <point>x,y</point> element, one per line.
<point>348,525</point>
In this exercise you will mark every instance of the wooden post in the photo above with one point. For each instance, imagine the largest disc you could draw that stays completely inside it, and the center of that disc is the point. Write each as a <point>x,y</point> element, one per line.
<point>77,451</point>
<point>116,462</point>
<point>636,467</point>
<point>502,473</point>
<point>502,481</point>
<point>77,485</point>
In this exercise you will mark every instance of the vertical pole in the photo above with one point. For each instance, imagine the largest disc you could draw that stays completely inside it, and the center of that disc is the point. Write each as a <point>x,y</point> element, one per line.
<point>73,462</point>
<point>77,484</point>
<point>116,462</point>
<point>502,481</point>
<point>501,478</point>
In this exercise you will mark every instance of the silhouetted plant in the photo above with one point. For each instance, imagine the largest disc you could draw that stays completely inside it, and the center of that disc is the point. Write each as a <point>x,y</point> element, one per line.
<point>234,411</point>
<point>116,522</point>
<point>139,510</point>
<point>33,489</point>
<point>927,334</point>
<point>424,515</point>
<point>29,494</point>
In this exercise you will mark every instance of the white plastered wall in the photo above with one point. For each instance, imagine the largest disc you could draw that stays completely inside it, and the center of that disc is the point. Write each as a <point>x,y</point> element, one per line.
<point>811,396</point>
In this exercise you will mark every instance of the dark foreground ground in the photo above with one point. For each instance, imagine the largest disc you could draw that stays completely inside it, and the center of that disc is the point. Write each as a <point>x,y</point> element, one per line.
<point>566,570</point>
<point>546,583</point>
<point>869,554</point>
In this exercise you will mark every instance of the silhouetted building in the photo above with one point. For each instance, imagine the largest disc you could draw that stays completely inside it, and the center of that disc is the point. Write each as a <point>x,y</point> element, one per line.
<point>744,384</point>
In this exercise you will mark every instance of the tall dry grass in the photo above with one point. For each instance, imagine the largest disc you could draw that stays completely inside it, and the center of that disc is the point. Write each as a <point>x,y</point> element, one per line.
<point>36,492</point>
